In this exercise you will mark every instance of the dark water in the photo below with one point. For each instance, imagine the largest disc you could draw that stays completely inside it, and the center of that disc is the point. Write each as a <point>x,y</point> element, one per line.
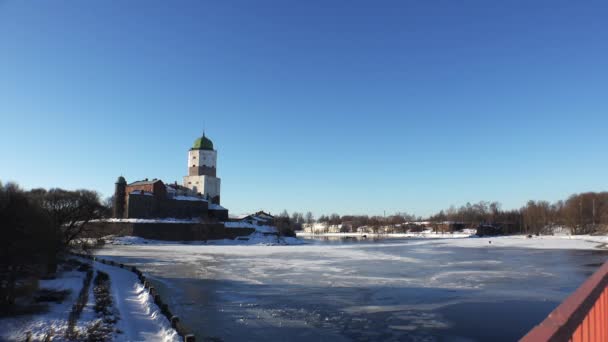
<point>352,290</point>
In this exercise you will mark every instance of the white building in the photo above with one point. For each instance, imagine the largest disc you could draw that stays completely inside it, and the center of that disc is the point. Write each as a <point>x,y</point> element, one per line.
<point>202,164</point>
<point>321,228</point>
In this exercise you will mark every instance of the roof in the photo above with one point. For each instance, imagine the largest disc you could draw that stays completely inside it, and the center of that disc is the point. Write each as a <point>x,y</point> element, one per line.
<point>203,143</point>
<point>263,213</point>
<point>121,180</point>
<point>176,187</point>
<point>145,182</point>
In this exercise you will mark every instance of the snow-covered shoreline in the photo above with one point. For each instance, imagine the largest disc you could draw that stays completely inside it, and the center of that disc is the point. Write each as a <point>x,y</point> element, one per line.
<point>575,242</point>
<point>140,319</point>
<point>425,234</point>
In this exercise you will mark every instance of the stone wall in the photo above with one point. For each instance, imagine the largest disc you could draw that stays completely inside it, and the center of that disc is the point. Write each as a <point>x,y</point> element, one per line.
<point>100,229</point>
<point>143,206</point>
<point>167,231</point>
<point>187,232</point>
<point>220,215</point>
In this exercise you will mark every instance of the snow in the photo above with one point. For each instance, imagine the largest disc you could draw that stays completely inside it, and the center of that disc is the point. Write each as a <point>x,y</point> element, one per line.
<point>56,318</point>
<point>213,206</point>
<point>574,242</point>
<point>424,234</point>
<point>468,240</point>
<point>189,198</point>
<point>140,192</point>
<point>133,240</point>
<point>243,224</point>
<point>465,240</point>
<point>258,238</point>
<point>140,318</point>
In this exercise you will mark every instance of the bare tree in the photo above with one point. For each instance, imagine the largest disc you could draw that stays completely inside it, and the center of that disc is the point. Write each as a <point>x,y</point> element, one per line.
<point>69,213</point>
<point>310,219</point>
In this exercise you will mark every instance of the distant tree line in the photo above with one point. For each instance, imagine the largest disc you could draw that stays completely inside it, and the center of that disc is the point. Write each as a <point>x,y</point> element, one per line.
<point>584,213</point>
<point>38,227</point>
<point>297,220</point>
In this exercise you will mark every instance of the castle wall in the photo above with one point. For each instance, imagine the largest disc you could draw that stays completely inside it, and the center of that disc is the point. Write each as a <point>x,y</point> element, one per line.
<point>99,229</point>
<point>188,232</point>
<point>143,206</point>
<point>158,189</point>
<point>220,215</point>
<point>166,231</point>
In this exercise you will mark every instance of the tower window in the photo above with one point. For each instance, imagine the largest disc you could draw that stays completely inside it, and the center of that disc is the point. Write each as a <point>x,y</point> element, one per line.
<point>193,157</point>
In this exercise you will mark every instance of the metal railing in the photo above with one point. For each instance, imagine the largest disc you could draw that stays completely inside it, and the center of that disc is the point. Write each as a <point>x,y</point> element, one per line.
<point>583,316</point>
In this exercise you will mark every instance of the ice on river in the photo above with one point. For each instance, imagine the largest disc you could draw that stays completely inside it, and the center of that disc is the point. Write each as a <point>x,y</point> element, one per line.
<point>382,289</point>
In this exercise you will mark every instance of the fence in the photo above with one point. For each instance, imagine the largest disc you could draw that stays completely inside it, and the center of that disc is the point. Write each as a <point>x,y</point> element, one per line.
<point>581,317</point>
<point>164,308</point>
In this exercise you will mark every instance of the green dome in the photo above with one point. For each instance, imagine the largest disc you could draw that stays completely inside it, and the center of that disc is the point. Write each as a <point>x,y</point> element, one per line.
<point>121,180</point>
<point>203,143</point>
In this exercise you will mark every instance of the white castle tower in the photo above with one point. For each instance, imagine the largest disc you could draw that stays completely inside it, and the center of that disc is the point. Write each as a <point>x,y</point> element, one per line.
<point>201,178</point>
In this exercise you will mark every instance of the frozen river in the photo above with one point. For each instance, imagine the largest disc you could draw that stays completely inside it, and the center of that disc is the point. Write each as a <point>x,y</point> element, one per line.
<point>372,290</point>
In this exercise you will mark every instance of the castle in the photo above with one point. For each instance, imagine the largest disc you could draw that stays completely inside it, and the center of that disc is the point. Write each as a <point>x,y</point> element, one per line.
<point>198,197</point>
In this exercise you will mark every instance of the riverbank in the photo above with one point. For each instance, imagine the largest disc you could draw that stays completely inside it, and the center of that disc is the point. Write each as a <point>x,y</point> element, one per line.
<point>575,242</point>
<point>133,316</point>
<point>423,234</point>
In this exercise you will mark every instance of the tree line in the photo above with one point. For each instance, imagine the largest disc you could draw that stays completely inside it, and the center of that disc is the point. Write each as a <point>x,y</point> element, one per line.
<point>38,227</point>
<point>583,213</point>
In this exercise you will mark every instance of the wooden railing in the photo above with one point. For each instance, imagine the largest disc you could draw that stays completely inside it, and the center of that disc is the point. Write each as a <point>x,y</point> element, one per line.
<point>581,317</point>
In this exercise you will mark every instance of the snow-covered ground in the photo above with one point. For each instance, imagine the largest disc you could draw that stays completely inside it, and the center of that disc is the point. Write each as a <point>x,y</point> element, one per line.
<point>56,318</point>
<point>423,234</point>
<point>571,242</point>
<point>467,239</point>
<point>258,228</point>
<point>140,319</point>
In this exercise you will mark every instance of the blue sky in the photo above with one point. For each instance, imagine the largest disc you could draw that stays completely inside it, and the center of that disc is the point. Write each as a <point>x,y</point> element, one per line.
<point>328,106</point>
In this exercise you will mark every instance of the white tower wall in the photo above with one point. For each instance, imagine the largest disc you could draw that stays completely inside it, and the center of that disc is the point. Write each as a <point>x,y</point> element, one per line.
<point>202,177</point>
<point>202,158</point>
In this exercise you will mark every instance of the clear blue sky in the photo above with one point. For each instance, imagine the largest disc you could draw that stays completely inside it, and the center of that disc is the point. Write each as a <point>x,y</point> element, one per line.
<point>329,106</point>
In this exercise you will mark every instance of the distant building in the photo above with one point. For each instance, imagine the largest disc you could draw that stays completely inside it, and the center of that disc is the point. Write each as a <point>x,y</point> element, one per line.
<point>199,197</point>
<point>260,218</point>
<point>321,227</point>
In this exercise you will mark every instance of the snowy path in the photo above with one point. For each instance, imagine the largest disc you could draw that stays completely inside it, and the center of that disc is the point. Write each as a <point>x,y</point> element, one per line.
<point>15,328</point>
<point>140,318</point>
